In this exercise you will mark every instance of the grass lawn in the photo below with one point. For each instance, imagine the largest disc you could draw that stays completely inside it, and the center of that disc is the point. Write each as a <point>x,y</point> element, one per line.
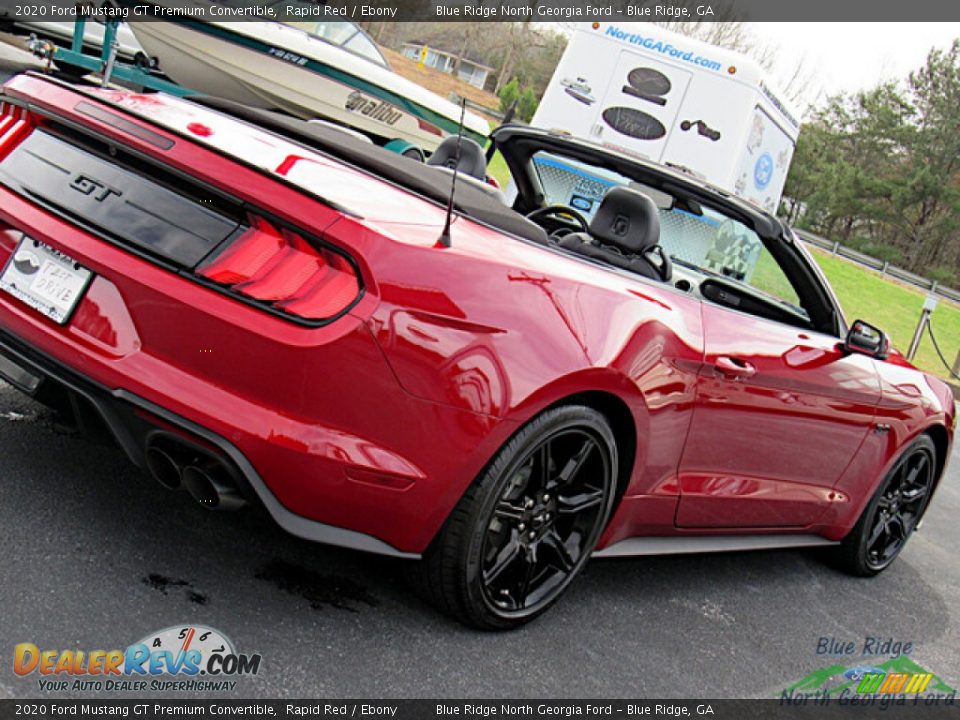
<point>893,307</point>
<point>867,295</point>
<point>768,277</point>
<point>498,168</point>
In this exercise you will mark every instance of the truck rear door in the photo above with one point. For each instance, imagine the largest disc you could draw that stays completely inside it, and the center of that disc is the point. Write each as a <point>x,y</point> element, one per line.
<point>641,104</point>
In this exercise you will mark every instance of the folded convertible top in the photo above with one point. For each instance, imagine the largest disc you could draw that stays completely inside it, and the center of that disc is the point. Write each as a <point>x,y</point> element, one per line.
<point>422,179</point>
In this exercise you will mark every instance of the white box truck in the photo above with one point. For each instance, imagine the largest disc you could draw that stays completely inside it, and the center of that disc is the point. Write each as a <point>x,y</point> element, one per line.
<point>675,100</point>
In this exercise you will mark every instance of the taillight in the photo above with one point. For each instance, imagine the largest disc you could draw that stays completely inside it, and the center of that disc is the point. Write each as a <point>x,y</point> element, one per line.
<point>275,265</point>
<point>15,125</point>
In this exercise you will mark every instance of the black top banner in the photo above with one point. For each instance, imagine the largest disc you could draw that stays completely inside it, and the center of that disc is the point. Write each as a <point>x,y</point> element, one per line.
<point>566,11</point>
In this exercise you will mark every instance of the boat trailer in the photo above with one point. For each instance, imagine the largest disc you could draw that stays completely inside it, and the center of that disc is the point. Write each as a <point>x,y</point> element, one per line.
<point>145,74</point>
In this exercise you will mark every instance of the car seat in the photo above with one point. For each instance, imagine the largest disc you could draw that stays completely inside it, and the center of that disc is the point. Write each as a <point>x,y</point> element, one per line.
<point>624,233</point>
<point>472,160</point>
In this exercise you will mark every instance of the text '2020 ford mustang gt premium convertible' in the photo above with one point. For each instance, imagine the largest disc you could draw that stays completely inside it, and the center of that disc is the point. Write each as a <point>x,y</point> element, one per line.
<point>620,361</point>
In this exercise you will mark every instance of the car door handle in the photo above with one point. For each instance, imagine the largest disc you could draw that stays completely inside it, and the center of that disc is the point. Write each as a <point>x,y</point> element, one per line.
<point>734,368</point>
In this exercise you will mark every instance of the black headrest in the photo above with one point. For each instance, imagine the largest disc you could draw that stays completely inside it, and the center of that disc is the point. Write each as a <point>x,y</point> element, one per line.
<point>627,219</point>
<point>472,161</point>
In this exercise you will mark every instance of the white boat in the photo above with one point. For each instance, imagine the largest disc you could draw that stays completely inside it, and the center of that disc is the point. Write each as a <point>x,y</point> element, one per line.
<point>274,65</point>
<point>578,89</point>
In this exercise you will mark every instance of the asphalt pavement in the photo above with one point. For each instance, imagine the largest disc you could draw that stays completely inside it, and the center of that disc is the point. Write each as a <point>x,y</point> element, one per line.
<point>94,555</point>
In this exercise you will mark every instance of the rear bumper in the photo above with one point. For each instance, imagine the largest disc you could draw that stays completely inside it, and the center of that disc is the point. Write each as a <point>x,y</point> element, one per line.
<point>130,418</point>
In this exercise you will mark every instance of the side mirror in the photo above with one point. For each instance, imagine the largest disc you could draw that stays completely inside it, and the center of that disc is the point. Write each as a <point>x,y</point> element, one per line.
<point>867,339</point>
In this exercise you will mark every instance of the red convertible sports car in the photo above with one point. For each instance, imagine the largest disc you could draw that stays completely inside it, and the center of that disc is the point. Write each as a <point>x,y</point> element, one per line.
<point>616,359</point>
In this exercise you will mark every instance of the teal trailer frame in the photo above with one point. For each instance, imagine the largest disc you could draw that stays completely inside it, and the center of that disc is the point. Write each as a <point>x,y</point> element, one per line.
<point>107,64</point>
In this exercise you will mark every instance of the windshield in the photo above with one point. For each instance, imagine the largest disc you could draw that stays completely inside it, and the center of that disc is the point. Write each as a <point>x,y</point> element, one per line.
<point>343,34</point>
<point>696,237</point>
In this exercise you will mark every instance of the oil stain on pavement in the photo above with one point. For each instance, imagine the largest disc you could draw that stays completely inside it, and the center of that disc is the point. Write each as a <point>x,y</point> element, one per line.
<point>163,584</point>
<point>316,588</point>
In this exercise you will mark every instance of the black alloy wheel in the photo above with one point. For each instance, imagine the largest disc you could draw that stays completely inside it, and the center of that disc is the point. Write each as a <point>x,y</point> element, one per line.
<point>894,512</point>
<point>528,524</point>
<point>542,520</point>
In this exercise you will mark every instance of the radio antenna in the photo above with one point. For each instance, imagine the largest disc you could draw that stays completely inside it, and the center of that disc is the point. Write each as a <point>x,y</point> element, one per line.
<point>444,240</point>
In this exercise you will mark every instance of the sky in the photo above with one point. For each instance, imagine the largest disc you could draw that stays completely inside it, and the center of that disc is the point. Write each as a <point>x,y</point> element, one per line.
<point>851,56</point>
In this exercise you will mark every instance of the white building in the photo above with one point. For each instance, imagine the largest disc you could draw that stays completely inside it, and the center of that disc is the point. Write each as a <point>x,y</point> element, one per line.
<point>471,71</point>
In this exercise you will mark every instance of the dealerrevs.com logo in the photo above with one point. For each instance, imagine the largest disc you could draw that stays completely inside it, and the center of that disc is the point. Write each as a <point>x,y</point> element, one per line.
<point>180,658</point>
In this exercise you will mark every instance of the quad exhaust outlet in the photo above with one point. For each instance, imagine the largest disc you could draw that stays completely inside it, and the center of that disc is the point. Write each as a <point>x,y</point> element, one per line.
<point>177,464</point>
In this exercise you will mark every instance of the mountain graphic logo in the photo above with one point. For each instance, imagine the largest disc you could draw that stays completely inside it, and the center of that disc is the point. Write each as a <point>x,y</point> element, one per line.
<point>899,675</point>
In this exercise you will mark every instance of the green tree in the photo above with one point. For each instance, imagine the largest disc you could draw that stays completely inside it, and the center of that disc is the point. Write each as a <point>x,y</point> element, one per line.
<point>509,95</point>
<point>527,104</point>
<point>882,168</point>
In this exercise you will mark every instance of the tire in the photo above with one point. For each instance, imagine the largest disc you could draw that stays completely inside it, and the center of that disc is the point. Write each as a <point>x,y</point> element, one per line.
<point>519,535</point>
<point>898,504</point>
<point>145,62</point>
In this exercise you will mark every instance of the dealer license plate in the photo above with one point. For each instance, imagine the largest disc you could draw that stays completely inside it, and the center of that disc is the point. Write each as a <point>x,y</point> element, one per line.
<point>45,279</point>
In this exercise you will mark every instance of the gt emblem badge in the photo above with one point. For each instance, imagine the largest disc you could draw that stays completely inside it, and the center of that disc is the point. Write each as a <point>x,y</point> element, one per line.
<point>90,186</point>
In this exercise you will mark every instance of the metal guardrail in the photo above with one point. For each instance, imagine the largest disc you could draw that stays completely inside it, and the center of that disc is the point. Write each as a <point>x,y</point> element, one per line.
<point>884,268</point>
